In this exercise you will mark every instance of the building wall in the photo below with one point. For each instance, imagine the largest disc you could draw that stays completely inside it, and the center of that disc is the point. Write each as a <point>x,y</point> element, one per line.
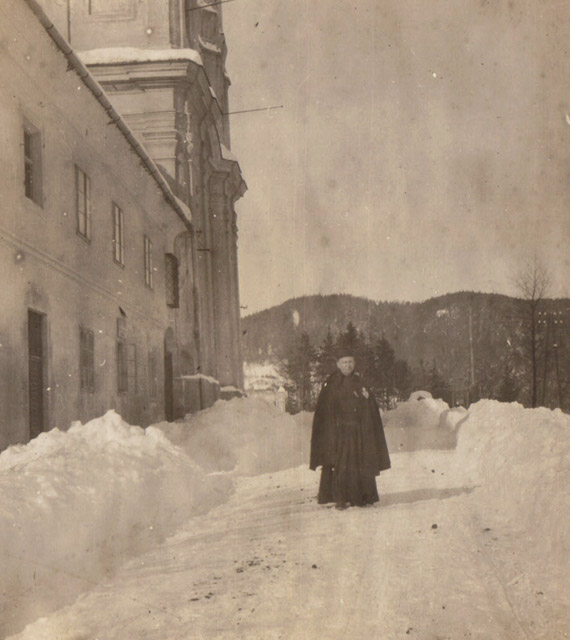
<point>178,108</point>
<point>88,21</point>
<point>47,267</point>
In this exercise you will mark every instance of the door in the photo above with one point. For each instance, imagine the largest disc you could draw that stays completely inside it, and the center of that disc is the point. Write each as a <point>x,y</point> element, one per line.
<point>36,367</point>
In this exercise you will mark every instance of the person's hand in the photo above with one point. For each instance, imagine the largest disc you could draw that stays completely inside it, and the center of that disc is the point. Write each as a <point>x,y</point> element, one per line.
<point>365,392</point>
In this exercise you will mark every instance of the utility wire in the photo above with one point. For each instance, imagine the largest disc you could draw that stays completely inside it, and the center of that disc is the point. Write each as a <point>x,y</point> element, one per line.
<point>231,113</point>
<point>212,4</point>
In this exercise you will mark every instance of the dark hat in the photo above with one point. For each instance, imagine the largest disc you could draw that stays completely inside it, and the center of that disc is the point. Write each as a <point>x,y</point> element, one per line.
<point>345,352</point>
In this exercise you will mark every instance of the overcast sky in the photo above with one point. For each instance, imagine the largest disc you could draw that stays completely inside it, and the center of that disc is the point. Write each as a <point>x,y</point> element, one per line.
<point>423,146</point>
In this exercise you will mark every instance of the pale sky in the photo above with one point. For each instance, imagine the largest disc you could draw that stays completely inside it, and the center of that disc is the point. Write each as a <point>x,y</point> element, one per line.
<point>423,146</point>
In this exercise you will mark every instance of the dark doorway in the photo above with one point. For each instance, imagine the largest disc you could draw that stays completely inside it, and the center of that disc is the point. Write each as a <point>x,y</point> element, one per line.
<point>36,368</point>
<point>168,386</point>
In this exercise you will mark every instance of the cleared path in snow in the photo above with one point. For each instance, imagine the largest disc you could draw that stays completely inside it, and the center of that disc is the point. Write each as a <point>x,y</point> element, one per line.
<point>271,564</point>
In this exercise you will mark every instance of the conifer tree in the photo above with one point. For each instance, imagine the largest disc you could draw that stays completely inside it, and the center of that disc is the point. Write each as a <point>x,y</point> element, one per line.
<point>326,358</point>
<point>299,368</point>
<point>437,385</point>
<point>385,360</point>
<point>403,380</point>
<point>349,340</point>
<point>353,341</point>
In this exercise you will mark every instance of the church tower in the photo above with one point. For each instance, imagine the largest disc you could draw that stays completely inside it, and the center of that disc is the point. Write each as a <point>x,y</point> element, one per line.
<point>162,65</point>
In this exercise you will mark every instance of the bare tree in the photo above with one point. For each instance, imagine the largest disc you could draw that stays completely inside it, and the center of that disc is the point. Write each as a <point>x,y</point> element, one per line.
<point>533,283</point>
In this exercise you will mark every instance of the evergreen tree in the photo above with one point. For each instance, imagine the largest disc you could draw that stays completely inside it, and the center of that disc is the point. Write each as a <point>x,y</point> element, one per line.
<point>437,385</point>
<point>353,341</point>
<point>403,380</point>
<point>326,358</point>
<point>384,372</point>
<point>420,377</point>
<point>349,340</point>
<point>299,368</point>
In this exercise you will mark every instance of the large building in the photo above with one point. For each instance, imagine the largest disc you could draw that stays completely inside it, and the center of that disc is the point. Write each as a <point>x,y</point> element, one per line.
<point>118,236</point>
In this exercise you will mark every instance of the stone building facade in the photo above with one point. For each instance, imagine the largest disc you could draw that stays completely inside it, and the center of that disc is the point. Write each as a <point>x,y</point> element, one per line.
<point>118,236</point>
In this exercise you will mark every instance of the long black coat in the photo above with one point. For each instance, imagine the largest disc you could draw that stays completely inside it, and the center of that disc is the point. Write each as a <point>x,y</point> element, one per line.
<point>327,421</point>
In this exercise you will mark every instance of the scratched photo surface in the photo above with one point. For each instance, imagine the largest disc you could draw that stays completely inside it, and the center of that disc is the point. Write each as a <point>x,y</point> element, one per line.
<point>206,208</point>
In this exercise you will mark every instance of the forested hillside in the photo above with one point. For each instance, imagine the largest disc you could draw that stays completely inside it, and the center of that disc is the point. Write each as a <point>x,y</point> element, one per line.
<point>468,337</point>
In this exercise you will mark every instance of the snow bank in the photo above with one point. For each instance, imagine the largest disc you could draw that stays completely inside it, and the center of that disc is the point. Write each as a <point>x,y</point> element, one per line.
<point>419,423</point>
<point>420,395</point>
<point>424,414</point>
<point>450,418</point>
<point>74,503</point>
<point>521,459</point>
<point>245,436</point>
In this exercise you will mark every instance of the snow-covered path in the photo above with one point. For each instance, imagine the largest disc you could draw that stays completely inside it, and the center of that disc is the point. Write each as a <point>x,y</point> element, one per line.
<point>270,563</point>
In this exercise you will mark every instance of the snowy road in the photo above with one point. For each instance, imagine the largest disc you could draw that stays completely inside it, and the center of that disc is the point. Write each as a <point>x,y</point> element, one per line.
<point>270,563</point>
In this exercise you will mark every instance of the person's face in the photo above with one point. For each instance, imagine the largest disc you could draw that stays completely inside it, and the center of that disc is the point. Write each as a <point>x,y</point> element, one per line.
<point>346,365</point>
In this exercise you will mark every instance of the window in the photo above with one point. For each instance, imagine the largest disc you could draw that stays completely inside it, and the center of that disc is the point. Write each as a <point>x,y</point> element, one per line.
<point>33,164</point>
<point>148,280</point>
<point>118,235</point>
<point>171,273</point>
<point>210,28</point>
<point>122,367</point>
<point>83,203</point>
<point>152,376</point>
<point>87,359</point>
<point>112,8</point>
<point>132,368</point>
<point>126,367</point>
<point>179,169</point>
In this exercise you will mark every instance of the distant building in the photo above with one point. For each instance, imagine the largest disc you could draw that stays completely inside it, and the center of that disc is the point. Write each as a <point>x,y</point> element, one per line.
<point>118,258</point>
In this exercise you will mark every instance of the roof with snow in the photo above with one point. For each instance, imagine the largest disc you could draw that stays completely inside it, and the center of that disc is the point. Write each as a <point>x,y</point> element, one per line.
<point>83,72</point>
<point>125,55</point>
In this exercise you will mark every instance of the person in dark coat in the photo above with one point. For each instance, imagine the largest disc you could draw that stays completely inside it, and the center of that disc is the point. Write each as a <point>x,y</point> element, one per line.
<point>348,439</point>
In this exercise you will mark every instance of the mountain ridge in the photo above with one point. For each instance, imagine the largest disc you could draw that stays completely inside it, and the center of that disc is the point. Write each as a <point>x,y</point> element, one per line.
<point>465,333</point>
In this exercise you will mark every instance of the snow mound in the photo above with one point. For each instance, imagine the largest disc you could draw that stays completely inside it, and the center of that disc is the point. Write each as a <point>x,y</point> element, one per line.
<point>450,418</point>
<point>75,503</point>
<point>245,436</point>
<point>414,425</point>
<point>424,415</point>
<point>420,395</point>
<point>520,458</point>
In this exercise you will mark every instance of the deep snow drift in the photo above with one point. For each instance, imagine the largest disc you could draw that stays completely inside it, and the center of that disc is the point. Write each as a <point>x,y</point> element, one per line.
<point>75,504</point>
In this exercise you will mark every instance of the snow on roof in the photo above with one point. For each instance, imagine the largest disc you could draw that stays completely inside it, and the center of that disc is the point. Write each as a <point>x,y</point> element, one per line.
<point>185,208</point>
<point>81,69</point>
<point>200,376</point>
<point>209,46</point>
<point>118,55</point>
